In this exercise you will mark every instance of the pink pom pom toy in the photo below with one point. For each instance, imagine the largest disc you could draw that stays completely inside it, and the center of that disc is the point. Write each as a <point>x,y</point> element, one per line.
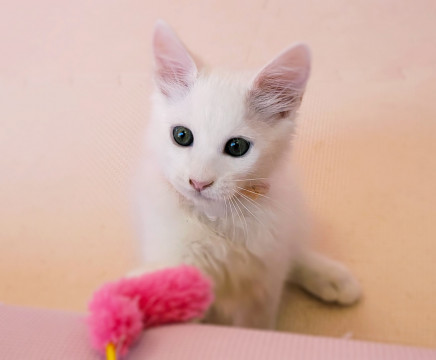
<point>119,311</point>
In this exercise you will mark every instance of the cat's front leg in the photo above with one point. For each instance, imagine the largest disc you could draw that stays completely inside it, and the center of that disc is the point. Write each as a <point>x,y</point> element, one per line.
<point>259,309</point>
<point>257,315</point>
<point>325,278</point>
<point>246,313</point>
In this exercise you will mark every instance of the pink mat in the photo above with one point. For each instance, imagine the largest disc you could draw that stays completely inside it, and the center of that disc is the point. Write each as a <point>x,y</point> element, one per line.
<point>35,334</point>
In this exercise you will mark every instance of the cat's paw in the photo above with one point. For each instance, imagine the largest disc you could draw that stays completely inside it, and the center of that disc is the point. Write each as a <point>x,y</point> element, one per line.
<point>337,284</point>
<point>328,280</point>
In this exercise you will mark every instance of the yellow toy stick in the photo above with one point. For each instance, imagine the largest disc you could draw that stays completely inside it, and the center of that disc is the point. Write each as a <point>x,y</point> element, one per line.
<point>111,353</point>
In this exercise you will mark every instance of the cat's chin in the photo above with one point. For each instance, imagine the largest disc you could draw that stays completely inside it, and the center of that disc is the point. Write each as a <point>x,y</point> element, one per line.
<point>212,207</point>
<point>198,198</point>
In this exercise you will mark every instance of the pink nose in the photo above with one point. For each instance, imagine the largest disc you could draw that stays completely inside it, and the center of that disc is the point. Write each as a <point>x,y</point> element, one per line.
<point>200,185</point>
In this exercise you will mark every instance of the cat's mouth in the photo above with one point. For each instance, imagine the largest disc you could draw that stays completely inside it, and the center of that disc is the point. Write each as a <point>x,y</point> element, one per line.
<point>194,195</point>
<point>203,195</point>
<point>251,191</point>
<point>206,196</point>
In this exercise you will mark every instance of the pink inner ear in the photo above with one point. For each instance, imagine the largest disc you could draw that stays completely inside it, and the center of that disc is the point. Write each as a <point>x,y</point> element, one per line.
<point>279,86</point>
<point>175,69</point>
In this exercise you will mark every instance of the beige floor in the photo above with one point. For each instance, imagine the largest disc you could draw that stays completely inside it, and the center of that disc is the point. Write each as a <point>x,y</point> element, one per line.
<point>74,80</point>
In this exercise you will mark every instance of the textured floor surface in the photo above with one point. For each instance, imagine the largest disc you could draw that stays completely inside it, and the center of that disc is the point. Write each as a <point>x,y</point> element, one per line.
<point>51,334</point>
<point>74,81</point>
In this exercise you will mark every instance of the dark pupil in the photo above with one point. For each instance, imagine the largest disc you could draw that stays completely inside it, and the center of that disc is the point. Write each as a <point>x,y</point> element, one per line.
<point>183,136</point>
<point>237,147</point>
<point>234,145</point>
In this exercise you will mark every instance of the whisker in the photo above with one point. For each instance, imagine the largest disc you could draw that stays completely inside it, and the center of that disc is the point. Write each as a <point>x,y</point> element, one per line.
<point>246,179</point>
<point>253,192</point>
<point>233,219</point>
<point>260,222</point>
<point>225,204</point>
<point>245,221</point>
<point>251,201</point>
<point>266,197</point>
<point>244,224</point>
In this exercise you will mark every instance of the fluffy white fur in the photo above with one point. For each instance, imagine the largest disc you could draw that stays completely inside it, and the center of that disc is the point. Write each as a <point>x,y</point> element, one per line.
<point>249,246</point>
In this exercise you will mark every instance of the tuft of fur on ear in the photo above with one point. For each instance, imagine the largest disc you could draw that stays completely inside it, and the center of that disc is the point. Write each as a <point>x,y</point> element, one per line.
<point>278,88</point>
<point>175,70</point>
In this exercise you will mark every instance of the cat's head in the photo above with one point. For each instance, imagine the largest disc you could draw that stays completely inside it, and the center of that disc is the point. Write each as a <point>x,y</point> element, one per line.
<point>213,131</point>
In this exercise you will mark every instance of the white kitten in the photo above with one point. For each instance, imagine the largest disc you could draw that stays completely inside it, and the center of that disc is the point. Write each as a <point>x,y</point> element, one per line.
<point>214,194</point>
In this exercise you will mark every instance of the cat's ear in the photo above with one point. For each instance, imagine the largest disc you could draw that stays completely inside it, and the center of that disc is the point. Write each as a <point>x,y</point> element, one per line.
<point>278,88</point>
<point>175,70</point>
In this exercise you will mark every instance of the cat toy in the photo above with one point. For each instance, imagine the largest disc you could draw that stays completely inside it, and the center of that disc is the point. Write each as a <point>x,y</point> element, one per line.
<point>119,311</point>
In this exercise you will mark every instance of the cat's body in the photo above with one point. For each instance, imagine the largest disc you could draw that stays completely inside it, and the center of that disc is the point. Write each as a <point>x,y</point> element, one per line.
<point>237,215</point>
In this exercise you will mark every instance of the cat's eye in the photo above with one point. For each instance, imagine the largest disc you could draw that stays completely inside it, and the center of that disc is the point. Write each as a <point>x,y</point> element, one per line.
<point>183,136</point>
<point>237,147</point>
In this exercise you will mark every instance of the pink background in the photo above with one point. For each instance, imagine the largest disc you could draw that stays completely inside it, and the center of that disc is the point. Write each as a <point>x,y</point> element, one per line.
<point>74,81</point>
